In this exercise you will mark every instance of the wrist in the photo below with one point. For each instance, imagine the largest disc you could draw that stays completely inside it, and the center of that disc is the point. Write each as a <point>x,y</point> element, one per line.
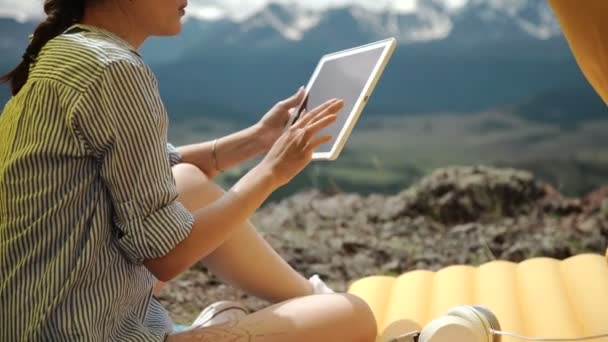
<point>266,175</point>
<point>263,137</point>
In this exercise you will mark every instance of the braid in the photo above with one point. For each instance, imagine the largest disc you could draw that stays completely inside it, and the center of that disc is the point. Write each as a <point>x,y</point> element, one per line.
<point>61,14</point>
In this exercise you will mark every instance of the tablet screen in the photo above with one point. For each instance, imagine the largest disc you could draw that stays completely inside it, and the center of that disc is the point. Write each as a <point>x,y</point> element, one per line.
<point>342,77</point>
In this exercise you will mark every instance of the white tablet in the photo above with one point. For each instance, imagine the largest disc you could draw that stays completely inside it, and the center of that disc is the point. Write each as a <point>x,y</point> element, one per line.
<point>350,75</point>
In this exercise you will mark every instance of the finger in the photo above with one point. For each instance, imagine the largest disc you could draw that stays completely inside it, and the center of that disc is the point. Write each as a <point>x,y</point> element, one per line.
<point>294,99</point>
<point>314,144</point>
<point>312,130</point>
<point>333,109</point>
<point>305,119</point>
<point>290,117</point>
<point>301,140</point>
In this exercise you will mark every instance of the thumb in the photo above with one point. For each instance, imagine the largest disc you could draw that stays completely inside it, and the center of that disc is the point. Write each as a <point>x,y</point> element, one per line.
<point>294,99</point>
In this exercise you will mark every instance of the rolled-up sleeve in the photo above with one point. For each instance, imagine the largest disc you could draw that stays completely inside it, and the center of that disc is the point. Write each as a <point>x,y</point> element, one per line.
<point>123,122</point>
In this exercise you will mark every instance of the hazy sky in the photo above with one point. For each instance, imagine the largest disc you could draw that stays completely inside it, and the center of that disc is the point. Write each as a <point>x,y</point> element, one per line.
<point>25,9</point>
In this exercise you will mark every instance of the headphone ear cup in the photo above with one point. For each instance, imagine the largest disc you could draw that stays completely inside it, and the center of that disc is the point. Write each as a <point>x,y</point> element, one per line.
<point>452,329</point>
<point>490,317</point>
<point>480,317</point>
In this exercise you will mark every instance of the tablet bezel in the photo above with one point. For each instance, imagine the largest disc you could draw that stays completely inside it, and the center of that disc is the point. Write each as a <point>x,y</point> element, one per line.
<point>353,116</point>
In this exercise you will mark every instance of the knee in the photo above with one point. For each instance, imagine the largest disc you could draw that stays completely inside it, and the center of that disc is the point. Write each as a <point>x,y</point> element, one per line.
<point>189,173</point>
<point>194,188</point>
<point>363,319</point>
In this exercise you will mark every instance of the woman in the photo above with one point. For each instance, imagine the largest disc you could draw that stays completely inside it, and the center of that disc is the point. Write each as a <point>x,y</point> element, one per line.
<point>95,205</point>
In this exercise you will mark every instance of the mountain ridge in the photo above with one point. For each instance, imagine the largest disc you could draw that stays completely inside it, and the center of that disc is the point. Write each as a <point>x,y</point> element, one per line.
<point>429,20</point>
<point>483,55</point>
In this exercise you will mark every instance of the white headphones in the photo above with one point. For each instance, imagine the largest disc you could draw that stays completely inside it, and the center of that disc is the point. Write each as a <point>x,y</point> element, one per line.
<point>463,323</point>
<point>470,324</point>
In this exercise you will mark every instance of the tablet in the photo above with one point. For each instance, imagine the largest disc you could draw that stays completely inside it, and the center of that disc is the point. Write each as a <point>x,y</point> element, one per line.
<point>350,75</point>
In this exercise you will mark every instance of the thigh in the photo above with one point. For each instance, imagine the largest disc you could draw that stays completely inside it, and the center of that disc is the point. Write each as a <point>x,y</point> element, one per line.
<point>320,318</point>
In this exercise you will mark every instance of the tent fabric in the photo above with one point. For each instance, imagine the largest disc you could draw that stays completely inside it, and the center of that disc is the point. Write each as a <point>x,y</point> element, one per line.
<point>540,297</point>
<point>585,25</point>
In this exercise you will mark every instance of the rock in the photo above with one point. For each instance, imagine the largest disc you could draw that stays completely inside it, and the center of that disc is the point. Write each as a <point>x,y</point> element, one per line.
<point>604,209</point>
<point>597,200</point>
<point>467,194</point>
<point>589,225</point>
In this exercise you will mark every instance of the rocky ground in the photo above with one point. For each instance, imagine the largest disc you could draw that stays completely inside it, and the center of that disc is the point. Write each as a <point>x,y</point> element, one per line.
<point>460,215</point>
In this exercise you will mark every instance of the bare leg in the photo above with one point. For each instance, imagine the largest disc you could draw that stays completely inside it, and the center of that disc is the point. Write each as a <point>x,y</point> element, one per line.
<point>246,260</point>
<point>320,318</point>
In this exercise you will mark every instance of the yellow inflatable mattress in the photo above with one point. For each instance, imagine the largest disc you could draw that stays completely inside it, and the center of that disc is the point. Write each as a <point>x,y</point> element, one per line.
<point>540,297</point>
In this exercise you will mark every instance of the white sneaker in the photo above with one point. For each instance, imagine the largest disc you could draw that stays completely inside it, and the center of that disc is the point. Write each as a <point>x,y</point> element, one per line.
<point>220,312</point>
<point>318,286</point>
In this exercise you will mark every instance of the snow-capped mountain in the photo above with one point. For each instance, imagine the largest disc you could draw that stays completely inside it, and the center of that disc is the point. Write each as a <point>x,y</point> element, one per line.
<point>425,20</point>
<point>277,25</point>
<point>430,21</point>
<point>502,19</point>
<point>13,38</point>
<point>213,29</point>
<point>456,58</point>
<point>291,22</point>
<point>455,55</point>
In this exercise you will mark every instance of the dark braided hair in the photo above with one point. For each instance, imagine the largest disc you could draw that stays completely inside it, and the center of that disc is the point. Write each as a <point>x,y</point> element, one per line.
<point>61,14</point>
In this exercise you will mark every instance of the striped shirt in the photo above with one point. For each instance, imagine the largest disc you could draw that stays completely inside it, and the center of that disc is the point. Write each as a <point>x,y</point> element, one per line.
<point>86,195</point>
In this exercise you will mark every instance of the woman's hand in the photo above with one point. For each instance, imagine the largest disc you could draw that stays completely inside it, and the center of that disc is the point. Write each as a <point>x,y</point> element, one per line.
<point>273,123</point>
<point>294,148</point>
